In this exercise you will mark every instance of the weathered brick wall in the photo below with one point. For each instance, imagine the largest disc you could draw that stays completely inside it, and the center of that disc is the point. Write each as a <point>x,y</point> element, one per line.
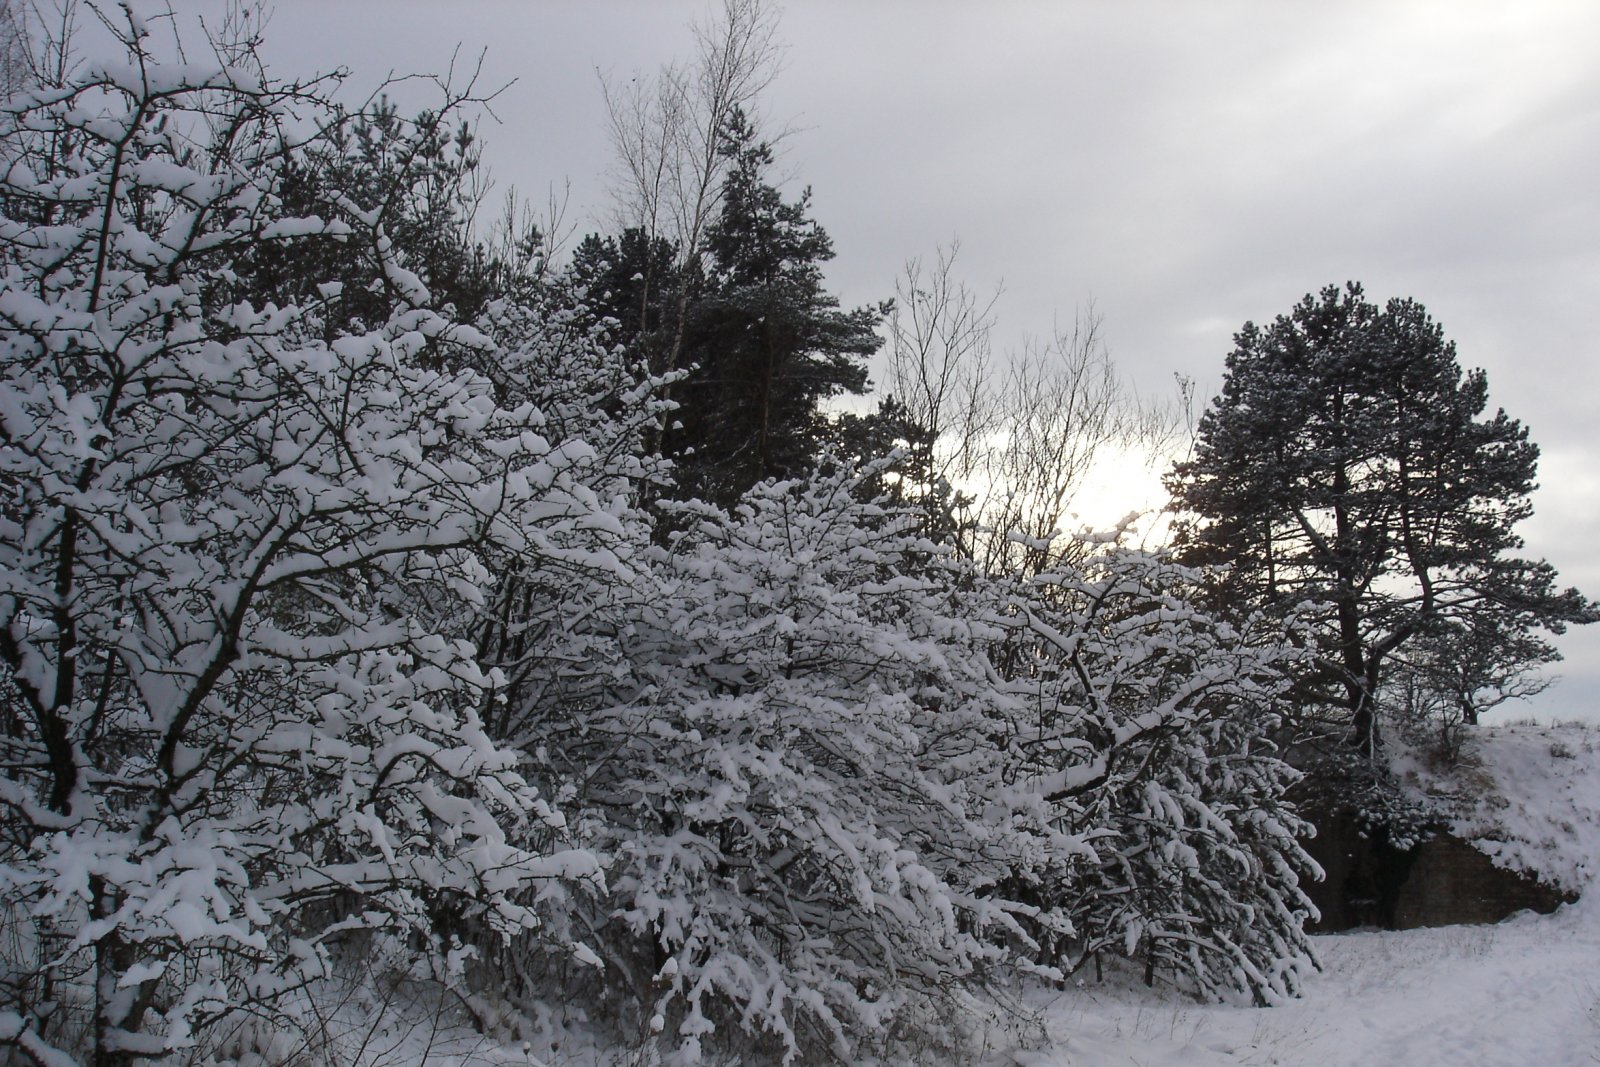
<point>1452,882</point>
<point>1440,882</point>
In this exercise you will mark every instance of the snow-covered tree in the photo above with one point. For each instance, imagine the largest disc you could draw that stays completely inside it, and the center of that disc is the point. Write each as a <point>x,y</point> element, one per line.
<point>846,779</point>
<point>539,629</point>
<point>242,722</point>
<point>329,627</point>
<point>1150,736</point>
<point>798,777</point>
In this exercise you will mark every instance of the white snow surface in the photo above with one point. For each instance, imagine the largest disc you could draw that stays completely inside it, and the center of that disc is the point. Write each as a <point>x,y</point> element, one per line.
<point>1526,991</point>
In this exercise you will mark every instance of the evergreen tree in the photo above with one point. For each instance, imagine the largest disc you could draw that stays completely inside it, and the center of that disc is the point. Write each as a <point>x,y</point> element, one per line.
<point>1348,465</point>
<point>769,342</point>
<point>632,279</point>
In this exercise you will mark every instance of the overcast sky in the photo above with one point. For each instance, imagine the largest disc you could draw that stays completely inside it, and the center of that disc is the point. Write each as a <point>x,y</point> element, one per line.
<point>1185,166</point>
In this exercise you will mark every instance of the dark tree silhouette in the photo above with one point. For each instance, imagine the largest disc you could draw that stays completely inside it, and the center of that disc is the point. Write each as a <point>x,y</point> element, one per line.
<point>1348,472</point>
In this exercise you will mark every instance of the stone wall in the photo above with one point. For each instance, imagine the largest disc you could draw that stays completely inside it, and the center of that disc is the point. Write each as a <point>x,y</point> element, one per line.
<point>1452,882</point>
<point>1440,882</point>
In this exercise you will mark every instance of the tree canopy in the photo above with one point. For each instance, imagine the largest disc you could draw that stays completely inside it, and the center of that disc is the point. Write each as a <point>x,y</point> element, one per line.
<point>1349,473</point>
<point>762,342</point>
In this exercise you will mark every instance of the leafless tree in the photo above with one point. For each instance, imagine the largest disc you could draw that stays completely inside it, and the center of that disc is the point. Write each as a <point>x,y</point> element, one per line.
<point>940,361</point>
<point>15,54</point>
<point>667,130</point>
<point>1019,435</point>
<point>1064,408</point>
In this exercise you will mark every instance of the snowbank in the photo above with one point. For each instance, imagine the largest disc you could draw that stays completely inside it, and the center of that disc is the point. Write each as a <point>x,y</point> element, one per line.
<point>1526,795</point>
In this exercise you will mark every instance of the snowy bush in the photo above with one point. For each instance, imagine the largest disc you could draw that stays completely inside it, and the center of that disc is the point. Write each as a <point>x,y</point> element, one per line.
<point>242,720</point>
<point>545,627</point>
<point>1150,737</point>
<point>846,780</point>
<point>323,630</point>
<point>799,780</point>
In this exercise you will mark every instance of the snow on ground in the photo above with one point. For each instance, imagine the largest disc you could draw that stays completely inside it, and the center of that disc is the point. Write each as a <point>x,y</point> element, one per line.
<point>1523,992</point>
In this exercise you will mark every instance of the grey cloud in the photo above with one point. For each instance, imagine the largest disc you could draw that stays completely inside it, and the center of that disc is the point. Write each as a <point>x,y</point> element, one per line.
<point>1187,166</point>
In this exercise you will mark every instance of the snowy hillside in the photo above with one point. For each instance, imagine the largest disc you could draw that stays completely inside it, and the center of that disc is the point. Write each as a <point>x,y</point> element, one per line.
<point>1527,795</point>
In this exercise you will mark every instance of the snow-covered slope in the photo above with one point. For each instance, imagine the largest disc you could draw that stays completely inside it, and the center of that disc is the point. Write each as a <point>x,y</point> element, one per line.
<point>1526,794</point>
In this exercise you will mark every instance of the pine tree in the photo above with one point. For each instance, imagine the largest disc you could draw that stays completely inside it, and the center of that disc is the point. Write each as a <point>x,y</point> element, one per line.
<point>769,342</point>
<point>419,180</point>
<point>633,280</point>
<point>1348,470</point>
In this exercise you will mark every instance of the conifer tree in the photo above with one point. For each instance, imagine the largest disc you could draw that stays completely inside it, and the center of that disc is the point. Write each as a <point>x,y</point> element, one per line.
<point>768,340</point>
<point>1349,464</point>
